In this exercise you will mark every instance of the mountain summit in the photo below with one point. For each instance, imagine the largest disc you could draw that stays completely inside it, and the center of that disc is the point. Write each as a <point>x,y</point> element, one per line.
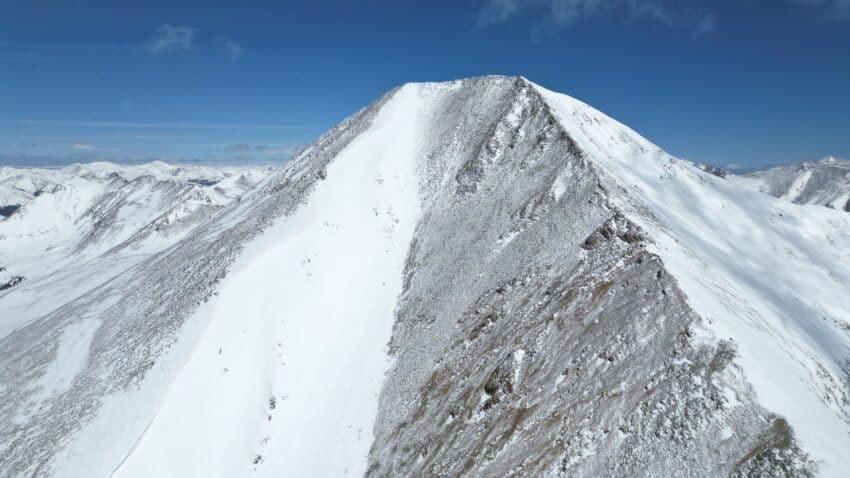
<point>480,277</point>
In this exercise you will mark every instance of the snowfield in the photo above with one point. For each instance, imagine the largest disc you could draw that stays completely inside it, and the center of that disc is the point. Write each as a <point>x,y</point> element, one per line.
<point>479,278</point>
<point>294,355</point>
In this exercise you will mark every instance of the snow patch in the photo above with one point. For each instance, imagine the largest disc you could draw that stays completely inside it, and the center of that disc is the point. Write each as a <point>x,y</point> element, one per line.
<point>798,186</point>
<point>71,357</point>
<point>559,187</point>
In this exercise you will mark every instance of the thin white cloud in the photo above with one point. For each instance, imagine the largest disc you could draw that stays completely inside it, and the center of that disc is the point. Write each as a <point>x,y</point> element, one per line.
<point>553,15</point>
<point>653,11</point>
<point>239,148</point>
<point>566,12</point>
<point>173,38</point>
<point>166,38</point>
<point>231,49</point>
<point>83,147</point>
<point>706,24</point>
<point>497,11</point>
<point>262,148</point>
<point>122,124</point>
<point>834,10</point>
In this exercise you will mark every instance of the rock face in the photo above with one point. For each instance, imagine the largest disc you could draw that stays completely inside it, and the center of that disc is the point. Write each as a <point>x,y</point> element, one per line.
<point>825,182</point>
<point>711,169</point>
<point>569,301</point>
<point>569,351</point>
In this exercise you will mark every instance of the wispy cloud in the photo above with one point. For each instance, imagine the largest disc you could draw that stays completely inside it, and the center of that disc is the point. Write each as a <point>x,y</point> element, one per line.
<point>167,38</point>
<point>262,148</point>
<point>28,160</point>
<point>653,11</point>
<point>497,11</point>
<point>706,24</point>
<point>239,148</point>
<point>25,58</point>
<point>83,147</point>
<point>66,46</point>
<point>553,15</point>
<point>173,38</point>
<point>834,10</point>
<point>123,124</point>
<point>231,49</point>
<point>49,52</point>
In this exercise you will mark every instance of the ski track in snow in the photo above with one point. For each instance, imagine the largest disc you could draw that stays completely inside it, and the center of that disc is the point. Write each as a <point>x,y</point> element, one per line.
<point>294,355</point>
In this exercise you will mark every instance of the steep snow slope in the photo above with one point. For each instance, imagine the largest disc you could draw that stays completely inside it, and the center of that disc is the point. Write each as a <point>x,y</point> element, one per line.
<point>770,276</point>
<point>150,318</point>
<point>825,182</point>
<point>297,377</point>
<point>558,296</point>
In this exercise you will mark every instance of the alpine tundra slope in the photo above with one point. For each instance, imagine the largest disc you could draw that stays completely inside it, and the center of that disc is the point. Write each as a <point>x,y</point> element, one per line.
<point>480,277</point>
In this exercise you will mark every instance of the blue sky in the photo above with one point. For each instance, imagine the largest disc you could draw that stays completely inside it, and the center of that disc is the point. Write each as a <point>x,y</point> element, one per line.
<point>742,83</point>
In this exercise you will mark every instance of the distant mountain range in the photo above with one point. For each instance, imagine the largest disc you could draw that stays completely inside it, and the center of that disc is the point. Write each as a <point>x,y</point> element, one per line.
<point>62,221</point>
<point>825,182</point>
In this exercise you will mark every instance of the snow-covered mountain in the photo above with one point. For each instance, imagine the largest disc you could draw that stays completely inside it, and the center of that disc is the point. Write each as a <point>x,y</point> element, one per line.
<point>825,182</point>
<point>66,229</point>
<point>480,277</point>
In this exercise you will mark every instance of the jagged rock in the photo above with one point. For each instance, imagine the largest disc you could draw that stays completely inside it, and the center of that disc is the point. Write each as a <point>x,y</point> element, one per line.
<point>15,280</point>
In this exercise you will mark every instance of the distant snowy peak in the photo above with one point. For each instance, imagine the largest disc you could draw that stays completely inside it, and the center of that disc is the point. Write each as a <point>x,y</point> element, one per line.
<point>825,182</point>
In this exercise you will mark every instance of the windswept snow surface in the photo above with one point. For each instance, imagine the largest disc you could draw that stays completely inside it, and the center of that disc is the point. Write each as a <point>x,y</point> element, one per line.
<point>770,275</point>
<point>294,356</point>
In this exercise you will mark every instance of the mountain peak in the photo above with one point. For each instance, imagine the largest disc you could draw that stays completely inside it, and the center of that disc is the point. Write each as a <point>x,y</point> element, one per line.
<point>457,277</point>
<point>834,160</point>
